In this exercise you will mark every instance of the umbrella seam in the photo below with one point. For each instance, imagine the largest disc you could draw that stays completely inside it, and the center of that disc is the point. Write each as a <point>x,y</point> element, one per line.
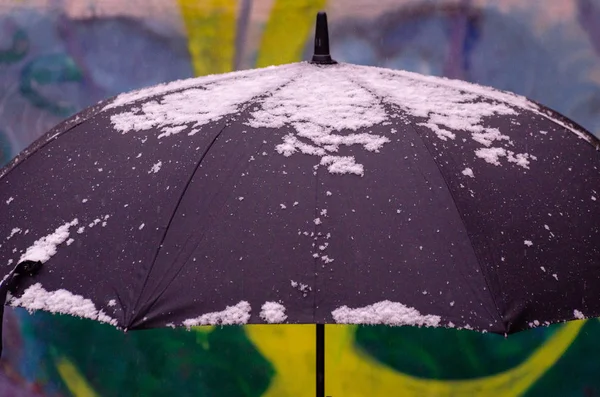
<point>151,304</point>
<point>483,273</point>
<point>410,124</point>
<point>130,315</point>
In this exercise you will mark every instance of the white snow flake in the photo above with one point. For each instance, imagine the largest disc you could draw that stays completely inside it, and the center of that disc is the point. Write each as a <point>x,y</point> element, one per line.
<point>304,288</point>
<point>468,172</point>
<point>273,312</point>
<point>155,168</point>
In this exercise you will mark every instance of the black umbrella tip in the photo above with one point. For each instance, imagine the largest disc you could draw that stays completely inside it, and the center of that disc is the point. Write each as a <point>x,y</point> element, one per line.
<point>29,268</point>
<point>321,55</point>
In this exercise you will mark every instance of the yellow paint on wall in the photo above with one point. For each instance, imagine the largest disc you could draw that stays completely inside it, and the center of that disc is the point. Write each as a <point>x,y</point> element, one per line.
<point>211,29</point>
<point>352,373</point>
<point>73,379</point>
<point>204,329</point>
<point>291,350</point>
<point>289,27</point>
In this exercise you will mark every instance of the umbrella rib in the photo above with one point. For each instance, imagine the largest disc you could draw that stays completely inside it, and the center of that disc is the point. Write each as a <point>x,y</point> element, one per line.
<point>383,101</point>
<point>483,273</point>
<point>566,123</point>
<point>157,296</point>
<point>130,314</point>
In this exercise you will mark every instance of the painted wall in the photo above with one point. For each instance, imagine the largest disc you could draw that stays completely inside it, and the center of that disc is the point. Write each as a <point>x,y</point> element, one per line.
<point>58,56</point>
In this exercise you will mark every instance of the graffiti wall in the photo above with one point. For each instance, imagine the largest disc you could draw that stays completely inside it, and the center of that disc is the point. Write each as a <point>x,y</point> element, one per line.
<point>59,56</point>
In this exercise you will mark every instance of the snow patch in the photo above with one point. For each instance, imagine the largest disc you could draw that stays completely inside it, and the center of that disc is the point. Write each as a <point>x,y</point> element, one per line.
<point>448,105</point>
<point>452,103</point>
<point>168,131</point>
<point>324,108</point>
<point>238,314</point>
<point>199,102</point>
<point>44,248</point>
<point>60,301</point>
<point>328,110</point>
<point>258,75</point>
<point>342,165</point>
<point>385,312</point>
<point>491,155</point>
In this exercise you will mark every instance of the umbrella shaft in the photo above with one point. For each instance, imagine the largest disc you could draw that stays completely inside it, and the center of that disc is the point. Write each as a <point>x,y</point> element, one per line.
<point>320,360</point>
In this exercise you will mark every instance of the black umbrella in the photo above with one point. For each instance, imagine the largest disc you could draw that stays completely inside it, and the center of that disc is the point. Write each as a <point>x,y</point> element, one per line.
<point>308,193</point>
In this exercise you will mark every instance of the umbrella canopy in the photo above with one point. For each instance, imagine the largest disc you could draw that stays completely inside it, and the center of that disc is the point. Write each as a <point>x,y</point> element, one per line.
<point>308,193</point>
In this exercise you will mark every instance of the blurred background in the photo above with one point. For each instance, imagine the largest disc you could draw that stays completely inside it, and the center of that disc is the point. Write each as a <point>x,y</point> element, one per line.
<point>59,56</point>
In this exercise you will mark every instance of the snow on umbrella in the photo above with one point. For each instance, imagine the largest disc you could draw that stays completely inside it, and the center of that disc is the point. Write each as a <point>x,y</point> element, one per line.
<point>308,193</point>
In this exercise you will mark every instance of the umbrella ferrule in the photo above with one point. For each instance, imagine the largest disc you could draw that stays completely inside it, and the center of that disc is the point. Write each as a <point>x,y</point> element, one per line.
<point>321,54</point>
